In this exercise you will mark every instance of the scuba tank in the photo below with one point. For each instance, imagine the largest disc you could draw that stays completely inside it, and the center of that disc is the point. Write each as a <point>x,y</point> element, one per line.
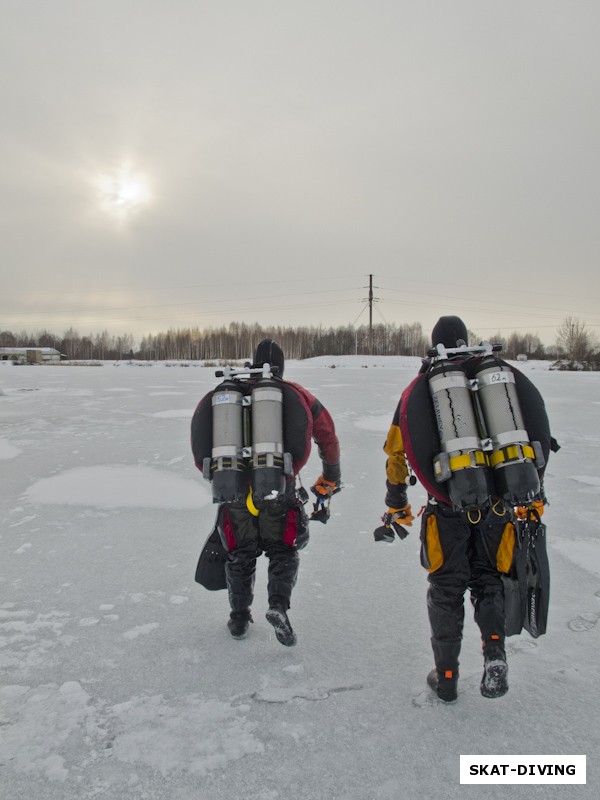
<point>513,458</point>
<point>462,462</point>
<point>247,438</point>
<point>226,466</point>
<point>270,464</point>
<point>489,421</point>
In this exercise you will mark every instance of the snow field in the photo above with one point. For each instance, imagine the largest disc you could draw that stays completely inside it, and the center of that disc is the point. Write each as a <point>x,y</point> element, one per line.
<point>118,675</point>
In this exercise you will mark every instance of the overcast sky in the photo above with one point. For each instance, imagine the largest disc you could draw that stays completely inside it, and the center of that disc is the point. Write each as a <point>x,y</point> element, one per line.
<point>168,163</point>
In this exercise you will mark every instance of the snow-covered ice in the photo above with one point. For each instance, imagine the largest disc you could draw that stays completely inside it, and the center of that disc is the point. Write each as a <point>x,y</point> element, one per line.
<point>119,678</point>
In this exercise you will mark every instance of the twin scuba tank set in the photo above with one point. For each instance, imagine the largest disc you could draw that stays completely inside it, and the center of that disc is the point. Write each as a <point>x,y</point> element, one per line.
<point>486,450</point>
<point>247,437</point>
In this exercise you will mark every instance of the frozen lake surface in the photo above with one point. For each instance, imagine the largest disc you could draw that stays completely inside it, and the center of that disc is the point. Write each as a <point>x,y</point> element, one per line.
<point>119,678</point>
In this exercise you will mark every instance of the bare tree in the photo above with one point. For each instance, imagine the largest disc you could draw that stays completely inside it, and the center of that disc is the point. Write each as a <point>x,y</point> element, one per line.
<point>527,343</point>
<point>574,340</point>
<point>7,339</point>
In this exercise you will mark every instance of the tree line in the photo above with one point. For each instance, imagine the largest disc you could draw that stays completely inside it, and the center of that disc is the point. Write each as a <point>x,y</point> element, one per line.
<point>238,340</point>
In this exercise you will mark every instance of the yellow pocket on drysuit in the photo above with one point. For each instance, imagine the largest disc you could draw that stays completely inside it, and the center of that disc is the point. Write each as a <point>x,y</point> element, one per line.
<point>506,549</point>
<point>432,556</point>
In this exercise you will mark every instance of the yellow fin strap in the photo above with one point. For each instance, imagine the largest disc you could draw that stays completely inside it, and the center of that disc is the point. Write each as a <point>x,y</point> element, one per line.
<point>250,504</point>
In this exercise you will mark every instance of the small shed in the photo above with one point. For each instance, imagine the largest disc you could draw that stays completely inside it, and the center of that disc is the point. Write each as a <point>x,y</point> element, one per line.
<point>31,355</point>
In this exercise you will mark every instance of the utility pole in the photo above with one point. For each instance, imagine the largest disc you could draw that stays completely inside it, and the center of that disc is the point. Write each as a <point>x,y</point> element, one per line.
<point>370,301</point>
<point>370,315</point>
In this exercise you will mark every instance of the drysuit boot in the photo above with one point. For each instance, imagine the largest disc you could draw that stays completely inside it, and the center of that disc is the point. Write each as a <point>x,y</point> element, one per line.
<point>494,682</point>
<point>238,623</point>
<point>278,618</point>
<point>444,684</point>
<point>444,678</point>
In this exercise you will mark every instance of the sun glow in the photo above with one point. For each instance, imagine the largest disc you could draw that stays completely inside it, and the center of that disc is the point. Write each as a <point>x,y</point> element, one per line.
<point>122,192</point>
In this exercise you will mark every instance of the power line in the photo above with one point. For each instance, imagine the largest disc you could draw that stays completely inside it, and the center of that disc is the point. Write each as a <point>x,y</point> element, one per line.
<point>361,312</point>
<point>486,288</point>
<point>232,306</point>
<point>446,297</point>
<point>203,286</point>
<point>167,317</point>
<point>188,304</point>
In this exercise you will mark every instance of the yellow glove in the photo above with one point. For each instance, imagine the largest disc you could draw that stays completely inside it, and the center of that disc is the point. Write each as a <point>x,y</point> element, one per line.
<point>402,515</point>
<point>537,505</point>
<point>393,524</point>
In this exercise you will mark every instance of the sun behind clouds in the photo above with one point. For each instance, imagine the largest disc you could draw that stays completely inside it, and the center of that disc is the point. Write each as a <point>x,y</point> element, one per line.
<point>122,192</point>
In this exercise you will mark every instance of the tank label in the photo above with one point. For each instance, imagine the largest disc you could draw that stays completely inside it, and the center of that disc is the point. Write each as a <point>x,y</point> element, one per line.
<point>497,376</point>
<point>221,398</point>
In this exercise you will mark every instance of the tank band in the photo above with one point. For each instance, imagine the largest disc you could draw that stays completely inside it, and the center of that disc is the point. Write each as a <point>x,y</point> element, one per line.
<point>226,450</point>
<point>439,383</point>
<point>464,443</point>
<point>476,458</point>
<point>267,447</point>
<point>267,394</point>
<point>516,452</point>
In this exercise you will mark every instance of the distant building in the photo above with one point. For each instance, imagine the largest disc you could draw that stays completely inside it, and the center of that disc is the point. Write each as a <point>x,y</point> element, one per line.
<point>31,355</point>
<point>522,357</point>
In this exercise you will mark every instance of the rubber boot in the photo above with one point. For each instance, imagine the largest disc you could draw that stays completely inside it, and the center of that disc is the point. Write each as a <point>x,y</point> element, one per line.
<point>444,684</point>
<point>494,682</point>
<point>239,622</point>
<point>278,618</point>
<point>445,674</point>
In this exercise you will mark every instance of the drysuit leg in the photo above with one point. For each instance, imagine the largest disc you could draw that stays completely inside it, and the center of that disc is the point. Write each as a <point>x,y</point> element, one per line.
<point>485,583</point>
<point>281,528</point>
<point>445,552</point>
<point>239,531</point>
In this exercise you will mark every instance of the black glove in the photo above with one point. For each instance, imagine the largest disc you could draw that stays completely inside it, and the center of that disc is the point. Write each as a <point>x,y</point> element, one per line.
<point>391,524</point>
